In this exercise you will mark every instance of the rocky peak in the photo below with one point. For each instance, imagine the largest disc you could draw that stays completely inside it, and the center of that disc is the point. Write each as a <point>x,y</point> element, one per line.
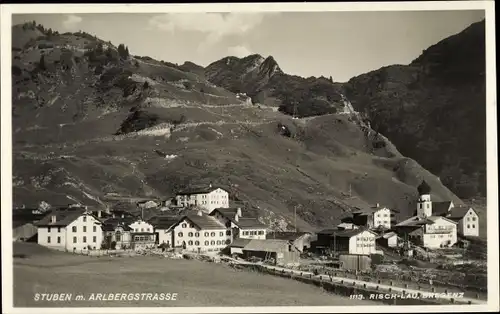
<point>270,67</point>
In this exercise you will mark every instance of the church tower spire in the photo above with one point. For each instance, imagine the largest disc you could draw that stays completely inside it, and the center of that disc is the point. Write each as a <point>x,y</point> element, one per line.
<point>424,203</point>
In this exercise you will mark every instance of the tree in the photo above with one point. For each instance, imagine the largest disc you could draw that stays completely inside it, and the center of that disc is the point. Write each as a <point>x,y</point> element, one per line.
<point>41,64</point>
<point>331,79</point>
<point>126,52</point>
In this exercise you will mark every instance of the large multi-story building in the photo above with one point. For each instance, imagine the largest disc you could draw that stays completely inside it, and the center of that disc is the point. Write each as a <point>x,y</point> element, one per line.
<point>208,198</point>
<point>70,229</point>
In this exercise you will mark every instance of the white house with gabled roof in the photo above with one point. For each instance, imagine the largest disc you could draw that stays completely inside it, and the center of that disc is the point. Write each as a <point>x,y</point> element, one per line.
<point>207,198</point>
<point>70,229</point>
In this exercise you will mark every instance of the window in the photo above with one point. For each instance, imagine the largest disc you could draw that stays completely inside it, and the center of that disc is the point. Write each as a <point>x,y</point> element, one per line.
<point>84,229</point>
<point>221,233</point>
<point>206,234</point>
<point>196,242</point>
<point>58,239</point>
<point>468,226</point>
<point>218,242</point>
<point>197,234</point>
<point>142,229</point>
<point>58,229</point>
<point>212,242</point>
<point>84,218</point>
<point>473,218</point>
<point>190,234</point>
<point>118,236</point>
<point>48,229</point>
<point>94,229</point>
<point>190,242</point>
<point>228,232</point>
<point>74,239</point>
<point>94,239</point>
<point>180,234</point>
<point>73,229</point>
<point>84,239</point>
<point>48,239</point>
<point>427,205</point>
<point>473,226</point>
<point>228,241</point>
<point>207,243</point>
<point>261,232</point>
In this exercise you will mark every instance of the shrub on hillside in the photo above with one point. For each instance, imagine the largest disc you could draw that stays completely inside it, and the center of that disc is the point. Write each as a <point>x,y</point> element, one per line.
<point>138,120</point>
<point>188,85</point>
<point>16,70</point>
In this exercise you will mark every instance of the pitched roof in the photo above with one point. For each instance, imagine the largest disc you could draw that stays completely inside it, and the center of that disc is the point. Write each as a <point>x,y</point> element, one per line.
<point>240,242</point>
<point>289,236</point>
<point>414,221</point>
<point>267,245</point>
<point>112,223</point>
<point>198,190</point>
<point>435,218</point>
<point>349,233</point>
<point>229,213</point>
<point>389,234</point>
<point>249,223</point>
<point>204,222</point>
<point>165,222</point>
<point>457,213</point>
<point>63,217</point>
<point>440,208</point>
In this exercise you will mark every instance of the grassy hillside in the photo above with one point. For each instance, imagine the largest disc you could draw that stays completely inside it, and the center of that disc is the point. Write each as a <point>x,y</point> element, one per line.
<point>89,122</point>
<point>433,110</point>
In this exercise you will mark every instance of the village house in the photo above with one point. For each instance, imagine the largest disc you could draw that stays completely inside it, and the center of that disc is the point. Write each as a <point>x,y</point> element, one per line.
<point>240,227</point>
<point>425,229</point>
<point>208,198</point>
<point>117,230</point>
<point>389,239</point>
<point>163,226</point>
<point>23,224</point>
<point>375,217</point>
<point>281,251</point>
<point>300,240</point>
<point>466,217</point>
<point>199,233</point>
<point>142,234</point>
<point>70,229</point>
<point>359,241</point>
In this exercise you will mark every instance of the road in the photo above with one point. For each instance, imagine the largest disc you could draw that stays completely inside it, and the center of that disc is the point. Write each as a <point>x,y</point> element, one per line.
<point>350,281</point>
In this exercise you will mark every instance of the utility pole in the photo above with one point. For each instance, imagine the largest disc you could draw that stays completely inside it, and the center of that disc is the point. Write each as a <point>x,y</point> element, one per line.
<point>295,217</point>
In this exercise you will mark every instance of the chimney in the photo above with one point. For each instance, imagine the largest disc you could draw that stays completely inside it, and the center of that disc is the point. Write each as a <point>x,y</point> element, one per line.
<point>210,185</point>
<point>53,218</point>
<point>199,213</point>
<point>378,205</point>
<point>99,214</point>
<point>238,212</point>
<point>236,218</point>
<point>123,215</point>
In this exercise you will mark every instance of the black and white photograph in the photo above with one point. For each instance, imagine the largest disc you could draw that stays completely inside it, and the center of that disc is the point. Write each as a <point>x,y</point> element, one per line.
<point>249,157</point>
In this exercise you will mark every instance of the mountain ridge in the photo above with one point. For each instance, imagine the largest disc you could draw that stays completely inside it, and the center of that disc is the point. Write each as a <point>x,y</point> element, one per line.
<point>89,120</point>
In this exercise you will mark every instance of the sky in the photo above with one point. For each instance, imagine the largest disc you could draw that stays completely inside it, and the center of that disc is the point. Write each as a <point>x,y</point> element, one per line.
<point>337,44</point>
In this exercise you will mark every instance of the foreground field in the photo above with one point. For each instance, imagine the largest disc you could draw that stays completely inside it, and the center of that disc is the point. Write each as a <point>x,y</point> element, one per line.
<point>196,283</point>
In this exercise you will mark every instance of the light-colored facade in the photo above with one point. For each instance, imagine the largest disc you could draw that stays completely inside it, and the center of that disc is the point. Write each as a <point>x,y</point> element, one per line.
<point>424,206</point>
<point>382,218</point>
<point>469,225</point>
<point>259,234</point>
<point>441,233</point>
<point>142,234</point>
<point>363,243</point>
<point>209,199</point>
<point>82,233</point>
<point>191,237</point>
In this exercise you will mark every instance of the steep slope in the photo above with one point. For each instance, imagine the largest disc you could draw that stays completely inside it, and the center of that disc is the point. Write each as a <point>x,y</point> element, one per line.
<point>433,110</point>
<point>95,126</point>
<point>263,80</point>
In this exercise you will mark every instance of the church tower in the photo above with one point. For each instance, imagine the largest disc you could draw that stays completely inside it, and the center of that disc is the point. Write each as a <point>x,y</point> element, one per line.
<point>424,203</point>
